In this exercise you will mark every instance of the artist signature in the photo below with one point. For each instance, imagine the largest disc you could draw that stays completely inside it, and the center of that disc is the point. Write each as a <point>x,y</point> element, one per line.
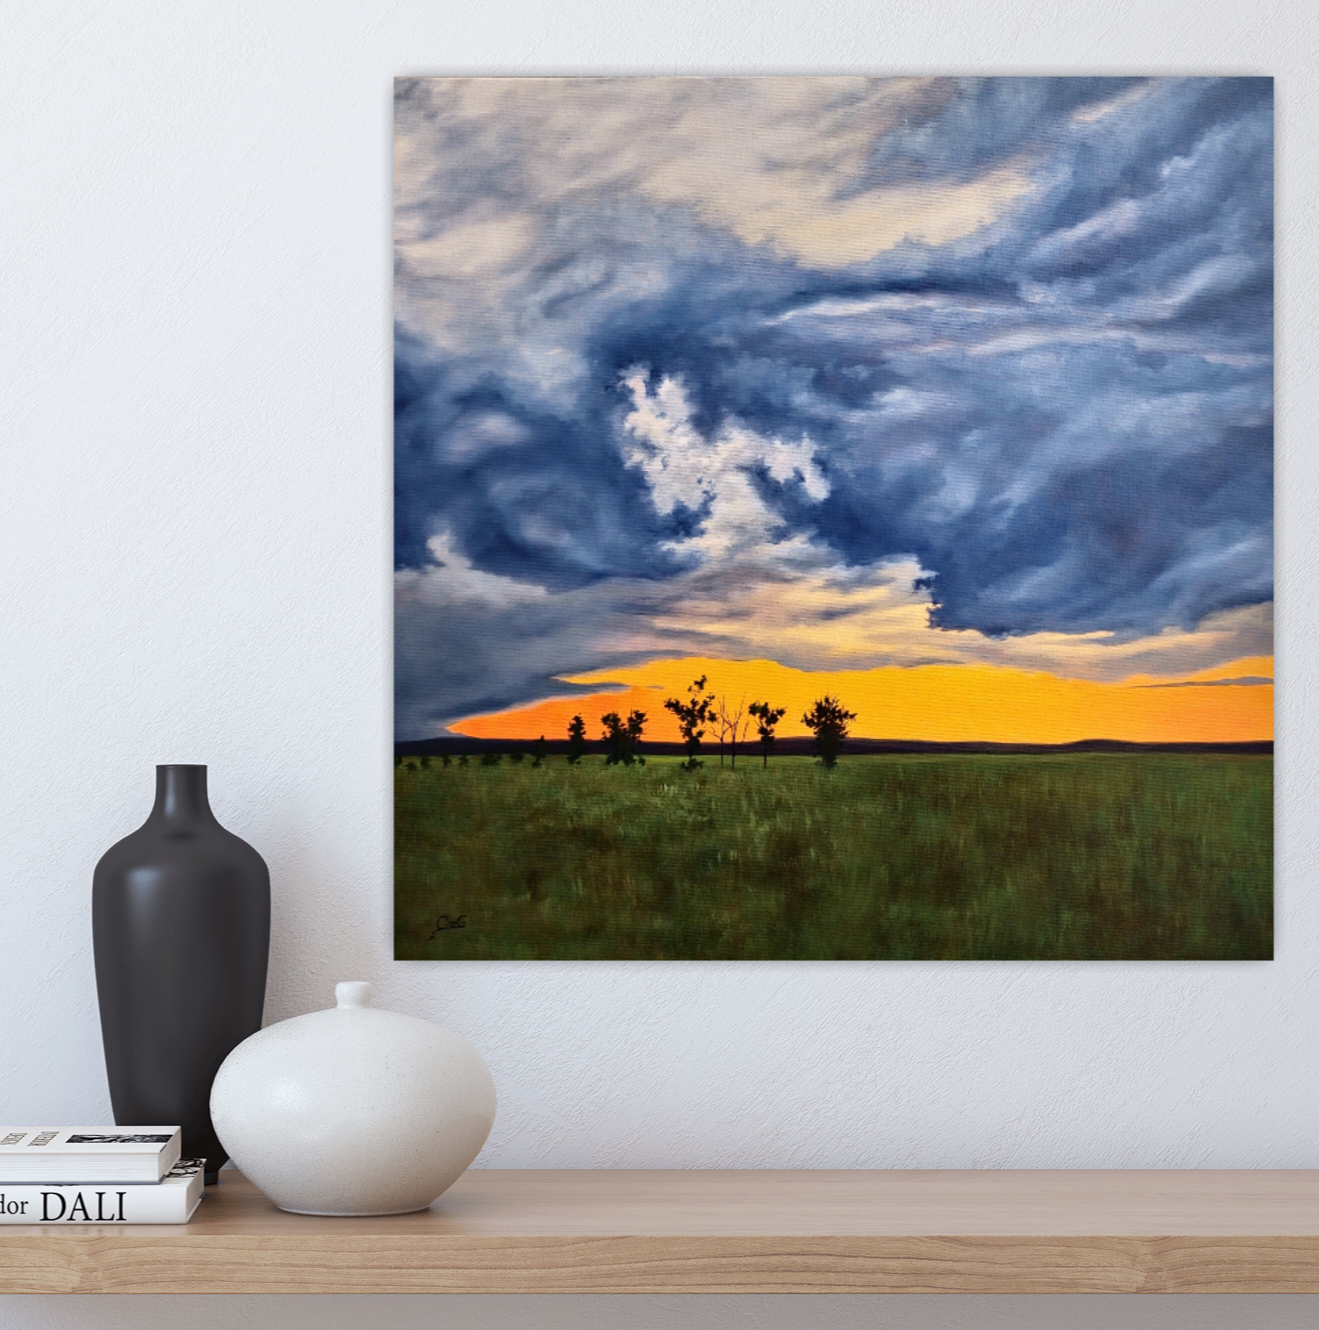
<point>444,922</point>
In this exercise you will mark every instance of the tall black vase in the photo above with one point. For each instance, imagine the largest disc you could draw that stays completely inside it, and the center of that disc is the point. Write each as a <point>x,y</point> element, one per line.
<point>181,935</point>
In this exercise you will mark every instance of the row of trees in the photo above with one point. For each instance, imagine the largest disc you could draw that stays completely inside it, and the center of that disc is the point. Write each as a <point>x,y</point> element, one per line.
<point>827,720</point>
<point>539,754</point>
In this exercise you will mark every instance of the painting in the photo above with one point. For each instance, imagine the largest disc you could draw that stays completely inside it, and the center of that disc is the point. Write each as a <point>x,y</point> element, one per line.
<point>833,518</point>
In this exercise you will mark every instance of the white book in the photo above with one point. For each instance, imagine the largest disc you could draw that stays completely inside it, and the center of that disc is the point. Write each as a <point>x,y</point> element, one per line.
<point>82,1155</point>
<point>172,1201</point>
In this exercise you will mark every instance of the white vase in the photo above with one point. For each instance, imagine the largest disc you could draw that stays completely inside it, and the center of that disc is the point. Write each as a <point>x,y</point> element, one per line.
<point>354,1110</point>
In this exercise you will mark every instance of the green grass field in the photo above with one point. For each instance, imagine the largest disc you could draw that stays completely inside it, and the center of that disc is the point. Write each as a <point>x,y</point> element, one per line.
<point>1136,856</point>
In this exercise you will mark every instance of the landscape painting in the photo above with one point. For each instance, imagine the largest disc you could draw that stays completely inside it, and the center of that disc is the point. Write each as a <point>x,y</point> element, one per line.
<point>833,518</point>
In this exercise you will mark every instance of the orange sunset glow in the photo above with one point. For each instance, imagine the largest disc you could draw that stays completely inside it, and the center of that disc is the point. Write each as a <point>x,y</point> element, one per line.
<point>934,703</point>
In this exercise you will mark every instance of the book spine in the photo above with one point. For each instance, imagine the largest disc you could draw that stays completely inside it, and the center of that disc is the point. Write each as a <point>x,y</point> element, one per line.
<point>95,1205</point>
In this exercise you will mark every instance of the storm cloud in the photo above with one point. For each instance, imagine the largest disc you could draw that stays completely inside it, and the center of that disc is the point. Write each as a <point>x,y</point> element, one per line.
<point>704,365</point>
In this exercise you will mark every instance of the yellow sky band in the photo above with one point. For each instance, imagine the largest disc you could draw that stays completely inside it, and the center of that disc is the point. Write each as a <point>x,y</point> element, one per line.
<point>935,703</point>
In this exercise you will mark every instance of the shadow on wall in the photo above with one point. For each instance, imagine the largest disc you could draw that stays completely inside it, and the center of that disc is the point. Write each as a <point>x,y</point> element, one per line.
<point>419,1312</point>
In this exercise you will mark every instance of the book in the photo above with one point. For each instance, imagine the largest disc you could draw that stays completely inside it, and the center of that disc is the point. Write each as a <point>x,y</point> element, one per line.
<point>83,1155</point>
<point>171,1201</point>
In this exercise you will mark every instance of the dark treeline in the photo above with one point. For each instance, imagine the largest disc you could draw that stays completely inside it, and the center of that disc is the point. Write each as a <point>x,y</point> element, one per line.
<point>804,746</point>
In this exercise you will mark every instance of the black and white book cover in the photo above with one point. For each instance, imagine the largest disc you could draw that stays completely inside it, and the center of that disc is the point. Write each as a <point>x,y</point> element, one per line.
<point>88,1154</point>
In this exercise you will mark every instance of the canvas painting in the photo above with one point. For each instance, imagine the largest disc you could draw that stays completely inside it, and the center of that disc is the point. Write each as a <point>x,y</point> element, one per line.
<point>834,518</point>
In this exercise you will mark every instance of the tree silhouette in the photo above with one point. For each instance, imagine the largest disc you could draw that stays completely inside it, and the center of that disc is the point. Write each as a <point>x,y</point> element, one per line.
<point>828,720</point>
<point>539,752</point>
<point>693,715</point>
<point>576,740</point>
<point>622,736</point>
<point>732,729</point>
<point>767,717</point>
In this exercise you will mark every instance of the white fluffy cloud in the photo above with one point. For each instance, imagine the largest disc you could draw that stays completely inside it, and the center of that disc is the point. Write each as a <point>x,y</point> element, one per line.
<point>717,475</point>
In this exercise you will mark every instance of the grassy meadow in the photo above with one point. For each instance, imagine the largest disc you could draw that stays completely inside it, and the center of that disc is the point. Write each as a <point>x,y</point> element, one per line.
<point>954,856</point>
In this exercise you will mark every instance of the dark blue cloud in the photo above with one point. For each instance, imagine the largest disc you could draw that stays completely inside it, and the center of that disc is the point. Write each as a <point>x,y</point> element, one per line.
<point>964,126</point>
<point>526,493</point>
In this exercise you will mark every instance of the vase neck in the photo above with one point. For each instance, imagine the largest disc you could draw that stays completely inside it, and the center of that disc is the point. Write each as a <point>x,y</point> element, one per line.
<point>181,796</point>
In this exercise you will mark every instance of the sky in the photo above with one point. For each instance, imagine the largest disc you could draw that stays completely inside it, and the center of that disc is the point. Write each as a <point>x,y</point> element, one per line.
<point>950,396</point>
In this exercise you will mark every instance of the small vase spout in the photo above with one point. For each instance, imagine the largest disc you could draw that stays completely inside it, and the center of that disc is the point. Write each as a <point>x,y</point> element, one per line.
<point>181,795</point>
<point>352,993</point>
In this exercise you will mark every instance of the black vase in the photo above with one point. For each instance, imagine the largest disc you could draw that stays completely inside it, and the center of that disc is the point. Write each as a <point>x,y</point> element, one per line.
<point>181,935</point>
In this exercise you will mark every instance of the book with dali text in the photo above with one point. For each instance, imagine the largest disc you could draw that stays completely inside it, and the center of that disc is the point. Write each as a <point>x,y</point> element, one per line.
<point>172,1201</point>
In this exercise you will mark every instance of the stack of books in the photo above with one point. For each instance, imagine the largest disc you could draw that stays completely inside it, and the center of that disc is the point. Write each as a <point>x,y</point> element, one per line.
<point>97,1175</point>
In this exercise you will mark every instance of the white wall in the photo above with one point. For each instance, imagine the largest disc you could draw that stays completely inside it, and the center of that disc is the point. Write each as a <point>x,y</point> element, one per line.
<point>194,524</point>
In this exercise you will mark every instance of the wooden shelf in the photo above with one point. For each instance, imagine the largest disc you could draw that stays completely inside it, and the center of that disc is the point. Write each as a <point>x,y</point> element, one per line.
<point>540,1231</point>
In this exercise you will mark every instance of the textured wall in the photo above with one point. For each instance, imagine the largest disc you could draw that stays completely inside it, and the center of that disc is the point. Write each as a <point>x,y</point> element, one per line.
<point>194,485</point>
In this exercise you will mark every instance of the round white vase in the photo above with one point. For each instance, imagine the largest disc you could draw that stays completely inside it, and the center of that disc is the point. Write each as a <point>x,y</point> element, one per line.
<point>354,1110</point>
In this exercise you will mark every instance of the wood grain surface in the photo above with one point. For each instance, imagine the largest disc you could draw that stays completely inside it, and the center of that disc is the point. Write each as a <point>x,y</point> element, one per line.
<point>633,1231</point>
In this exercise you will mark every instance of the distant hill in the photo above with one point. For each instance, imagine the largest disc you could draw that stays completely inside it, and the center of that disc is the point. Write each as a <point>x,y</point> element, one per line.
<point>453,744</point>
